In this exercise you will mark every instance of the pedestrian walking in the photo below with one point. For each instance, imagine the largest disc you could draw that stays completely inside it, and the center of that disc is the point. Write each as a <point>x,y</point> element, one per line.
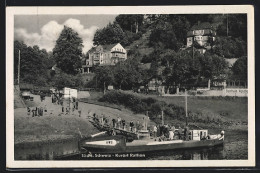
<point>77,105</point>
<point>33,113</point>
<point>28,111</point>
<point>36,111</point>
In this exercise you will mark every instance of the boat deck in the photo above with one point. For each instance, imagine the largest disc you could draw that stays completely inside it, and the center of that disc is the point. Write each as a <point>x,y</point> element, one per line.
<point>152,142</point>
<point>139,142</point>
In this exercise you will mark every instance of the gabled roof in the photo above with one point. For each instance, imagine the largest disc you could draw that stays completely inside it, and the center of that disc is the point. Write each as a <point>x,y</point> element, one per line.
<point>93,49</point>
<point>108,47</point>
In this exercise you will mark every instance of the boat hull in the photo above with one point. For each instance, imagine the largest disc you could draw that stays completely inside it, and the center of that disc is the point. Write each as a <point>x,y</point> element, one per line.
<point>120,146</point>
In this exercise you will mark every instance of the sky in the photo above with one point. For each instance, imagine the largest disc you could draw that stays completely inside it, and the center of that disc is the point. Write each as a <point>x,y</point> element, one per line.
<point>44,30</point>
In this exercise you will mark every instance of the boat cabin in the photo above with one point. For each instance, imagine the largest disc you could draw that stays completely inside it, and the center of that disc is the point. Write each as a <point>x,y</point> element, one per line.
<point>198,135</point>
<point>143,134</point>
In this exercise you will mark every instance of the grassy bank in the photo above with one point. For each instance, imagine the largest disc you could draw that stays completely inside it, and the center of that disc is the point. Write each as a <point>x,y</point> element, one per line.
<point>214,110</point>
<point>54,126</point>
<point>51,127</point>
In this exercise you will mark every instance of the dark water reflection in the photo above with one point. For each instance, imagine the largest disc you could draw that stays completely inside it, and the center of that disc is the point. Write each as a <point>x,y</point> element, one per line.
<point>45,151</point>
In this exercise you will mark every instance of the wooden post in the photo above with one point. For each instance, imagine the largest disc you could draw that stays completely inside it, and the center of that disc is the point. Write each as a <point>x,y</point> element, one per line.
<point>186,111</point>
<point>96,83</point>
<point>227,25</point>
<point>69,99</point>
<point>162,118</point>
<point>146,120</point>
<point>18,75</point>
<point>192,48</point>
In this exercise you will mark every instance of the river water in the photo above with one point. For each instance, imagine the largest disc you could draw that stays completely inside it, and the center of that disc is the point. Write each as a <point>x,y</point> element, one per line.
<point>235,148</point>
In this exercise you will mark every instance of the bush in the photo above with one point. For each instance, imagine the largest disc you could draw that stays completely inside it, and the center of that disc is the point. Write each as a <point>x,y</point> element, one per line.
<point>137,104</point>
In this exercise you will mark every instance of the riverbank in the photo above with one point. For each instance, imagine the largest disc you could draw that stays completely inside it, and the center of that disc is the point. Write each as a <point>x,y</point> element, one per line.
<point>56,126</point>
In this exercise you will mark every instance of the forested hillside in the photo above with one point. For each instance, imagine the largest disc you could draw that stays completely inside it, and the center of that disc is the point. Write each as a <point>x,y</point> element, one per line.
<point>159,40</point>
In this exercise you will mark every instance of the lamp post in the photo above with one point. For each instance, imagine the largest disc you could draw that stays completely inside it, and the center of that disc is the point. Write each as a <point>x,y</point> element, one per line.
<point>186,105</point>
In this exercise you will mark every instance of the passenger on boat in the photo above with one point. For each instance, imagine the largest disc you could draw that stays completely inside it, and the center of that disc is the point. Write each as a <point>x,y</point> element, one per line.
<point>119,122</point>
<point>131,125</point>
<point>171,134</point>
<point>186,133</point>
<point>162,138</point>
<point>123,123</point>
<point>155,131</point>
<point>102,120</point>
<point>165,130</point>
<point>108,120</point>
<point>114,123</point>
<point>180,132</point>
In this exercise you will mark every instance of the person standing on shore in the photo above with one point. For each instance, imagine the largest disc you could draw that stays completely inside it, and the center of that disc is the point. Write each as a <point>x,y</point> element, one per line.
<point>28,111</point>
<point>36,111</point>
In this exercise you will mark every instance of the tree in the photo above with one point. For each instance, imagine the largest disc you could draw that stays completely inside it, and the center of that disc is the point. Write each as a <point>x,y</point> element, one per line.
<point>169,31</point>
<point>182,69</point>
<point>131,22</point>
<point>104,76</point>
<point>163,36</point>
<point>230,47</point>
<point>33,68</point>
<point>111,34</point>
<point>68,51</point>
<point>239,69</point>
<point>234,25</point>
<point>127,74</point>
<point>22,47</point>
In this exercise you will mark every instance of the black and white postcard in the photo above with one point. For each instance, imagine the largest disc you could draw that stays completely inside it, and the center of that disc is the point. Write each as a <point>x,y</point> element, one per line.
<point>144,86</point>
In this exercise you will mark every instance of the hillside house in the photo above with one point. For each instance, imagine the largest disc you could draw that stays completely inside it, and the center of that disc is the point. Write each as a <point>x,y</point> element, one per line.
<point>202,37</point>
<point>105,55</point>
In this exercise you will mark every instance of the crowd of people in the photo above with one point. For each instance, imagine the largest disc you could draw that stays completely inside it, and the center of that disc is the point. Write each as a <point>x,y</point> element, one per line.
<point>167,132</point>
<point>66,106</point>
<point>119,123</point>
<point>36,111</point>
<point>160,132</point>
